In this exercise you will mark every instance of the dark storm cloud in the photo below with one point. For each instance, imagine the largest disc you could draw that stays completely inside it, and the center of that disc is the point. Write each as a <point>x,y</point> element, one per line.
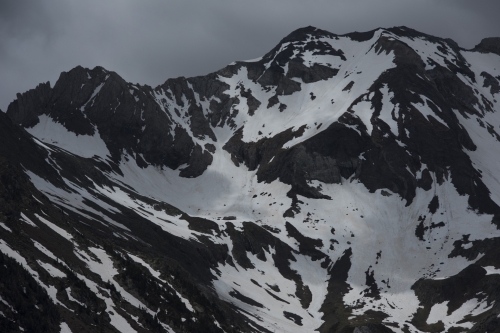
<point>149,41</point>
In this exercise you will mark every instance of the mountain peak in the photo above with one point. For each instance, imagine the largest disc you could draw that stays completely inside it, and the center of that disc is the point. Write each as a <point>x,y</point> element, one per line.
<point>489,45</point>
<point>305,32</point>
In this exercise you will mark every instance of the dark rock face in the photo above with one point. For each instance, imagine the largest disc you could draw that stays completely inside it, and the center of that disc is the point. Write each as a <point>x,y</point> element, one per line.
<point>26,104</point>
<point>492,82</point>
<point>31,305</point>
<point>372,329</point>
<point>327,178</point>
<point>489,45</point>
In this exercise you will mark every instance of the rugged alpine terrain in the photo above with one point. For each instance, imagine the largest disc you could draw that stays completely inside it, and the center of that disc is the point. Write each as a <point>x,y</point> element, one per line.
<point>340,183</point>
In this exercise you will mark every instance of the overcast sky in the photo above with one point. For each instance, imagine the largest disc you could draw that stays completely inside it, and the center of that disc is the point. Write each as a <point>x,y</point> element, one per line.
<point>149,41</point>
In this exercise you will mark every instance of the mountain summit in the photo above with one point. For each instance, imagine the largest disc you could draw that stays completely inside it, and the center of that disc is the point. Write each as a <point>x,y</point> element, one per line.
<point>340,183</point>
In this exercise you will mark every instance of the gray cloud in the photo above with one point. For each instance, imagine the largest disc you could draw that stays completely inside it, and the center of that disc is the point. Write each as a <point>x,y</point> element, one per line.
<point>149,41</point>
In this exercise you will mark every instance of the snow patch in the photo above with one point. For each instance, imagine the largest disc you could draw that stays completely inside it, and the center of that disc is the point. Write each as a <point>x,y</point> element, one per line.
<point>54,272</point>
<point>54,227</point>
<point>5,227</point>
<point>49,131</point>
<point>491,270</point>
<point>65,328</point>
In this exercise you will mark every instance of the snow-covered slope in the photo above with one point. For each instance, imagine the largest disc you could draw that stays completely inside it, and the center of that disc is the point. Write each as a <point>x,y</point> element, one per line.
<point>337,184</point>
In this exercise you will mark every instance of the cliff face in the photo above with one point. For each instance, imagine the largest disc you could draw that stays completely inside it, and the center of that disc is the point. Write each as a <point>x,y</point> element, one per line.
<point>338,183</point>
